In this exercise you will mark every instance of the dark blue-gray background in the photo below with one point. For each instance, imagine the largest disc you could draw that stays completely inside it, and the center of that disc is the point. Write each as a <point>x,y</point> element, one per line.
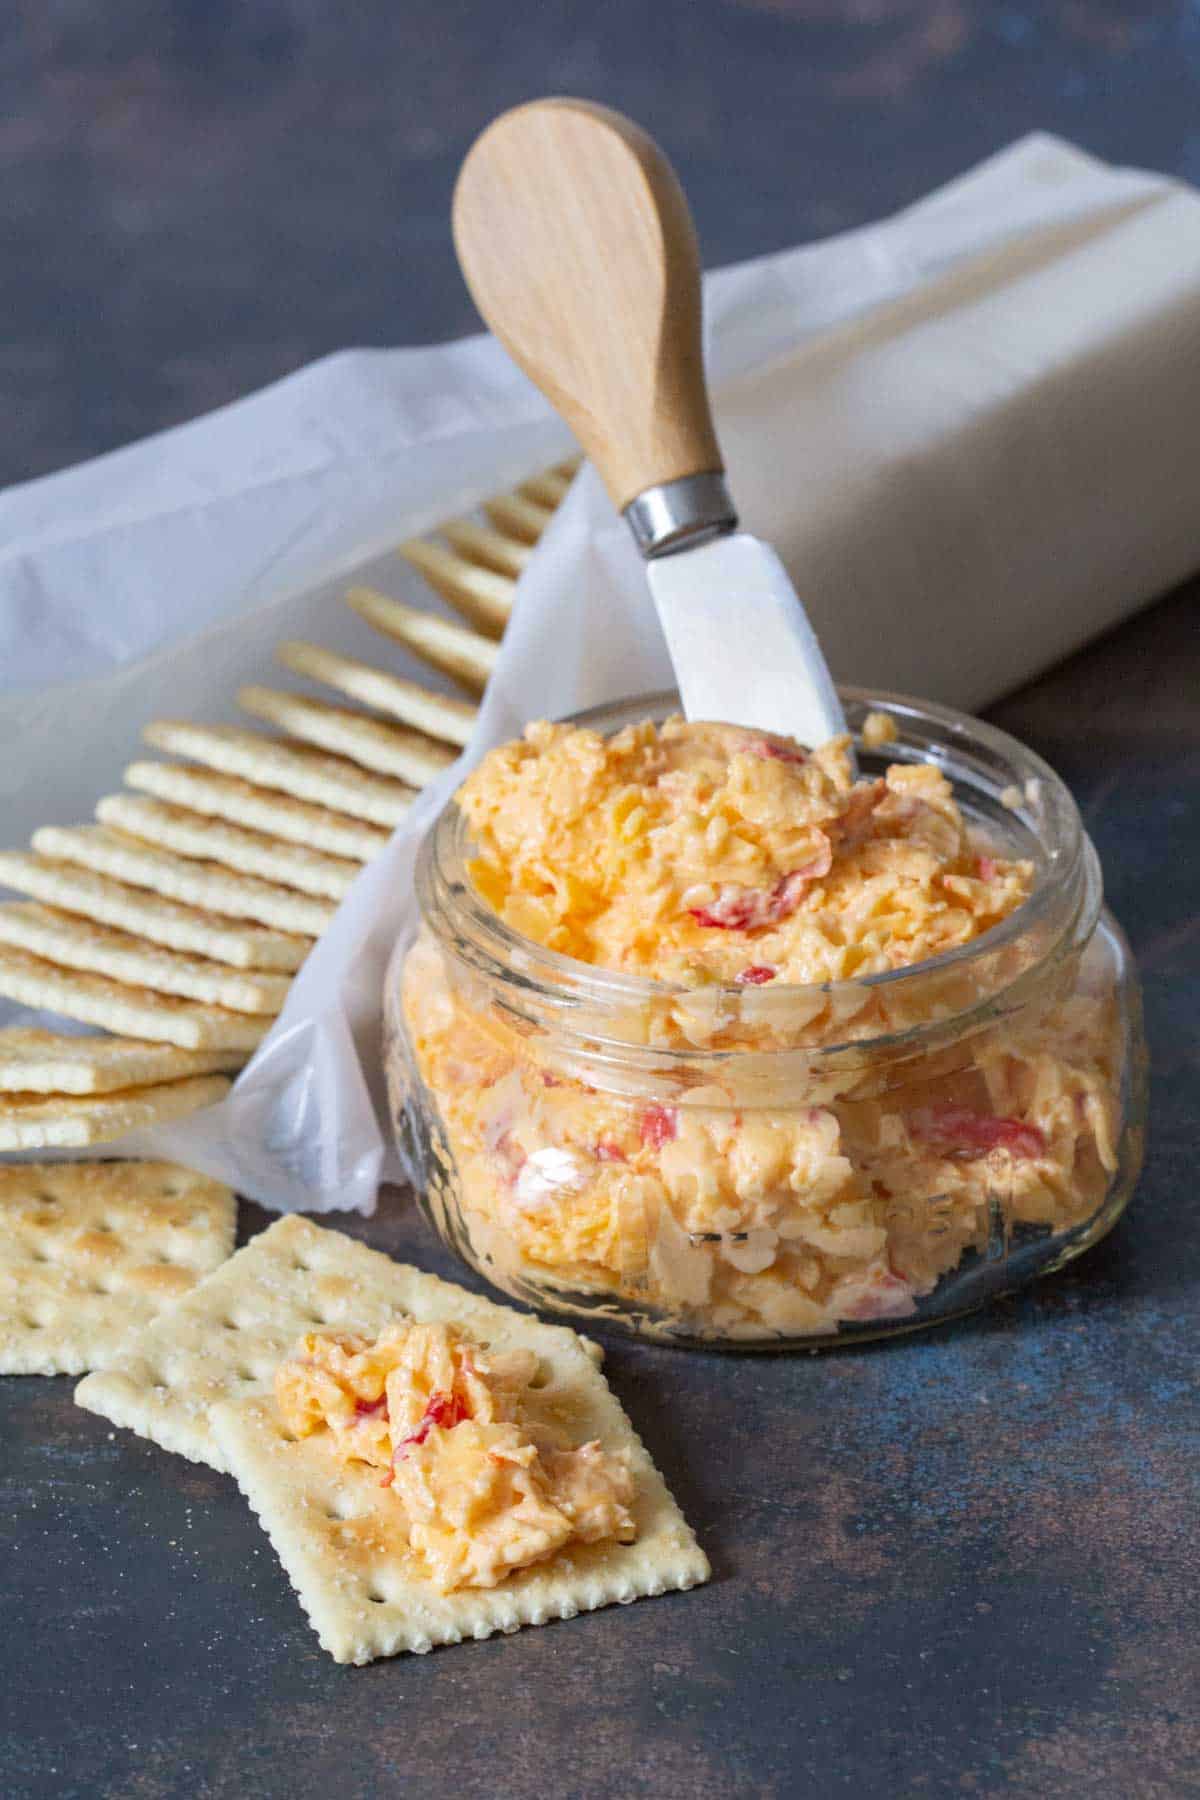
<point>960,1565</point>
<point>196,196</point>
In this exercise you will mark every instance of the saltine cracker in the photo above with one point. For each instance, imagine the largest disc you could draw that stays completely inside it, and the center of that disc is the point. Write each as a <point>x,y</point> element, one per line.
<point>291,768</point>
<point>90,1252</point>
<point>77,1121</point>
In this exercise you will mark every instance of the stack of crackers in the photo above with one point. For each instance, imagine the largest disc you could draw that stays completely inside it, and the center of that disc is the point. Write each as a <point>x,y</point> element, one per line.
<point>176,921</point>
<point>173,926</point>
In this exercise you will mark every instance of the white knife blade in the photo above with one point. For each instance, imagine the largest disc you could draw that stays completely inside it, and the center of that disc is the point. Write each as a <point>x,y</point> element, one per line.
<point>743,650</point>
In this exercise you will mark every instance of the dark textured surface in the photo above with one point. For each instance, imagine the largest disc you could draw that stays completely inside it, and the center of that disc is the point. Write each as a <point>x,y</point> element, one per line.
<point>962,1564</point>
<point>197,196</point>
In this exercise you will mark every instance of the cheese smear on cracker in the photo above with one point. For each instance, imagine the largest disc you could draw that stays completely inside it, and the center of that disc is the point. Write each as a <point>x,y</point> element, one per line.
<point>484,1480</point>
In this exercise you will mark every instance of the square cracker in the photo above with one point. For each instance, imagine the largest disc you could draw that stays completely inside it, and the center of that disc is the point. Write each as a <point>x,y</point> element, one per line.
<point>149,916</point>
<point>73,1121</point>
<point>290,768</point>
<point>201,1382</point>
<point>480,595</point>
<point>75,943</point>
<point>408,701</point>
<point>113,1005</point>
<point>241,802</point>
<point>33,1061</point>
<point>485,545</point>
<point>518,515</point>
<point>334,1529</point>
<point>92,1251</point>
<point>455,649</point>
<point>548,489</point>
<point>203,884</point>
<point>386,749</point>
<point>198,837</point>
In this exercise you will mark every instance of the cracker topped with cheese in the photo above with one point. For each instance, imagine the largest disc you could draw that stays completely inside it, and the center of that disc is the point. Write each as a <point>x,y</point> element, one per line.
<point>429,1465</point>
<point>484,1475</point>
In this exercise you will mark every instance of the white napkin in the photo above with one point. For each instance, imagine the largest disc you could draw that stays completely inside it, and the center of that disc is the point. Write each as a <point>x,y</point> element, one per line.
<point>971,431</point>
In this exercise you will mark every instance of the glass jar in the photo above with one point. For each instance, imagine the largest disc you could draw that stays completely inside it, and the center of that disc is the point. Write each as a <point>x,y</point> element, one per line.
<point>779,1166</point>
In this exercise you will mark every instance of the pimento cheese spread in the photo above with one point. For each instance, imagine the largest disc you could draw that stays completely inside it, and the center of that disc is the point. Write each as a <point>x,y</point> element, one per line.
<point>484,1480</point>
<point>707,853</point>
<point>724,862</point>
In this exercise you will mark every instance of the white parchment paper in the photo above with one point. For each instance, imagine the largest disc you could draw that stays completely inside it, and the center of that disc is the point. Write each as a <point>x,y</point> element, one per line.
<point>972,432</point>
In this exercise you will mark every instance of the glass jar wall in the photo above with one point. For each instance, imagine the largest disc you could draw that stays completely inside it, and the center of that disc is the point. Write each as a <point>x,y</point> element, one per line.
<point>787,1165</point>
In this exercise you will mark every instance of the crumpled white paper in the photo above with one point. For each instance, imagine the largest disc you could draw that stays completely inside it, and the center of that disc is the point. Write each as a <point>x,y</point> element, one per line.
<point>971,431</point>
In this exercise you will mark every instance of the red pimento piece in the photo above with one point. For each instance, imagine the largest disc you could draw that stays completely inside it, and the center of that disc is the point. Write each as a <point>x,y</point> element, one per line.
<point>889,1296</point>
<point>549,1080</point>
<point>606,1151</point>
<point>957,1129</point>
<point>756,975</point>
<point>988,868</point>
<point>441,1409</point>
<point>371,1409</point>
<point>659,1125</point>
<point>772,752</point>
<point>511,1153</point>
<point>749,909</point>
<point>444,1410</point>
<point>852,824</point>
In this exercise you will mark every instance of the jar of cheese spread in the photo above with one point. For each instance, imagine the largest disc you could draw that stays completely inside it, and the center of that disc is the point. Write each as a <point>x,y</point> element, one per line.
<point>720,1041</point>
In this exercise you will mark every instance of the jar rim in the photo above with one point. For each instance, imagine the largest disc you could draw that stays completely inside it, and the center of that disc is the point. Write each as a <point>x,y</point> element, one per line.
<point>967,749</point>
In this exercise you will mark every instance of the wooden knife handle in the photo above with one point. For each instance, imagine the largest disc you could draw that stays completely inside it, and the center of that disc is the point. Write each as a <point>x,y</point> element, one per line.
<point>579,250</point>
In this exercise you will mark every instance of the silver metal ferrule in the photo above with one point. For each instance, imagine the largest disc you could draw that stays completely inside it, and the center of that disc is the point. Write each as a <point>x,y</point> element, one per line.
<point>681,513</point>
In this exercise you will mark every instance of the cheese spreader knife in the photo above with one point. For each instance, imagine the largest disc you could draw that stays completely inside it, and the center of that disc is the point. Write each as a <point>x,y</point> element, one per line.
<point>578,247</point>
